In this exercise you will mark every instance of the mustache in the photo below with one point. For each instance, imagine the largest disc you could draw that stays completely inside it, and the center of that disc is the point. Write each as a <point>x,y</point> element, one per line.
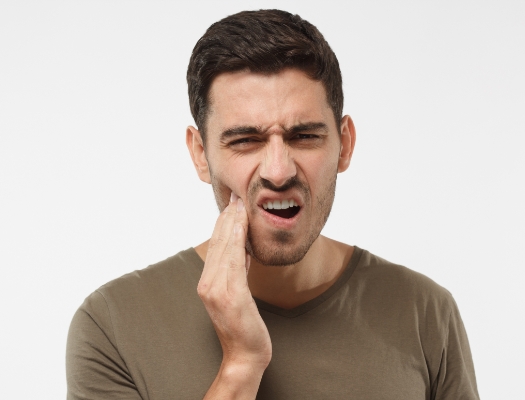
<point>293,182</point>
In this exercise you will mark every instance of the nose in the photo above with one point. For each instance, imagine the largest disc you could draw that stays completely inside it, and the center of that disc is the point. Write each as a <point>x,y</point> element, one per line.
<point>277,166</point>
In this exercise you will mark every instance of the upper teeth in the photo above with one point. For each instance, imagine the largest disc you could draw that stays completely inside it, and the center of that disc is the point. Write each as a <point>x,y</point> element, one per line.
<point>279,205</point>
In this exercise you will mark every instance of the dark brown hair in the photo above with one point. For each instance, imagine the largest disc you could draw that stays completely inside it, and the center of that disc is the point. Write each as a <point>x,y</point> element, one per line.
<point>265,41</point>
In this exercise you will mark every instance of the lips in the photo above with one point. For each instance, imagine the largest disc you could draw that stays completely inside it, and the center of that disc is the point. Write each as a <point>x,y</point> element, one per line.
<point>279,211</point>
<point>282,208</point>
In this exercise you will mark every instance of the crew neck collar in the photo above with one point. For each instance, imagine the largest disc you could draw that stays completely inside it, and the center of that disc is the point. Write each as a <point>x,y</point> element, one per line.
<point>310,304</point>
<point>316,301</point>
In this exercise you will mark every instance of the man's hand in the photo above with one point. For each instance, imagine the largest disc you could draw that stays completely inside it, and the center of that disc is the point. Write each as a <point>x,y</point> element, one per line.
<point>224,290</point>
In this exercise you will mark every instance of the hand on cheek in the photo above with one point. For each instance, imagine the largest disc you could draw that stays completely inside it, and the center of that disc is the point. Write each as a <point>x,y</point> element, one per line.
<point>224,290</point>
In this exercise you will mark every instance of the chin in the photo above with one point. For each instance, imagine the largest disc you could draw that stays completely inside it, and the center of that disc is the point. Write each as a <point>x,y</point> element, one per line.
<point>279,250</point>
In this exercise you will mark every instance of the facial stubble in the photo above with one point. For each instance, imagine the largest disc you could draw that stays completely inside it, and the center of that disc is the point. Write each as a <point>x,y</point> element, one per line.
<point>279,250</point>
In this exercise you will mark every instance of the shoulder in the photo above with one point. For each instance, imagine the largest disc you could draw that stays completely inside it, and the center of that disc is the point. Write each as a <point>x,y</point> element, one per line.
<point>140,304</point>
<point>171,280</point>
<point>176,271</point>
<point>400,285</point>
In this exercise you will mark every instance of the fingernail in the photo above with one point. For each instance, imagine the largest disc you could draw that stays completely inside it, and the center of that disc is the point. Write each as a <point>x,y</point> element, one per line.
<point>236,229</point>
<point>240,205</point>
<point>231,197</point>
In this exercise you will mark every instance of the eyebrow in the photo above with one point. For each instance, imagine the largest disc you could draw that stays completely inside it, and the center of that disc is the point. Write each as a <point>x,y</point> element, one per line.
<point>257,130</point>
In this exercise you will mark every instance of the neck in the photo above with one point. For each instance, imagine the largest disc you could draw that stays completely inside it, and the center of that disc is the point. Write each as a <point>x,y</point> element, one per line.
<point>292,285</point>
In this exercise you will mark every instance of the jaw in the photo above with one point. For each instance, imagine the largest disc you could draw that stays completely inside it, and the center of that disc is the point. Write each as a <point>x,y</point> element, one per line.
<point>279,237</point>
<point>277,241</point>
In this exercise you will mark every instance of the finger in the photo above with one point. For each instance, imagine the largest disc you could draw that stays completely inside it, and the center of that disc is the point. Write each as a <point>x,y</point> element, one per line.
<point>248,262</point>
<point>217,233</point>
<point>240,217</point>
<point>220,219</point>
<point>225,230</point>
<point>218,242</point>
<point>236,272</point>
<point>236,278</point>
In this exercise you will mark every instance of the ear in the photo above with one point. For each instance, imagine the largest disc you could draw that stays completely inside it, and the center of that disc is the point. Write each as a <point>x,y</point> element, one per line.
<point>198,156</point>
<point>347,143</point>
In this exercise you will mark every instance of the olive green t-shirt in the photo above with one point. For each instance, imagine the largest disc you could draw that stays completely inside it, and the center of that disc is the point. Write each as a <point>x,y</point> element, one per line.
<point>382,331</point>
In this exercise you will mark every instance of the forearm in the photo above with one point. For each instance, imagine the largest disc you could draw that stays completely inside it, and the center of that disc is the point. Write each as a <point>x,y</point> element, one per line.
<point>236,381</point>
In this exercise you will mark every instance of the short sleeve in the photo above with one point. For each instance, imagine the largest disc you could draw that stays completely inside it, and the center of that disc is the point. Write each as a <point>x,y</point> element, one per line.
<point>456,379</point>
<point>94,367</point>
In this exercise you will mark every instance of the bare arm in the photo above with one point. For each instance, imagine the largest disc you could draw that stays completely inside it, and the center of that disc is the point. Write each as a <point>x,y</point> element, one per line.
<point>223,288</point>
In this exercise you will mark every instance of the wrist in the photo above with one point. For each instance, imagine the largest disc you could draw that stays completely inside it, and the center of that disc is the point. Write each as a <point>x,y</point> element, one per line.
<point>242,371</point>
<point>236,380</point>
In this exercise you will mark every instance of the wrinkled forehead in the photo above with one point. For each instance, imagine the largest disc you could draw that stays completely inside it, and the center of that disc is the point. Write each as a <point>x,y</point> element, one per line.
<point>284,99</point>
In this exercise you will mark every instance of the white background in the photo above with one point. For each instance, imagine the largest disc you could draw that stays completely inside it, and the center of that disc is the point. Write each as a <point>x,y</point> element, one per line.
<point>95,179</point>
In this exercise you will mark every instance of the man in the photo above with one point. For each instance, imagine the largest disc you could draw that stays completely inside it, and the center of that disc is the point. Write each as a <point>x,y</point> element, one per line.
<point>268,308</point>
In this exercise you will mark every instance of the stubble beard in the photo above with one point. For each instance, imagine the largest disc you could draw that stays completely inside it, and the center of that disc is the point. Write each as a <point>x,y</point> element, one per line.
<point>279,250</point>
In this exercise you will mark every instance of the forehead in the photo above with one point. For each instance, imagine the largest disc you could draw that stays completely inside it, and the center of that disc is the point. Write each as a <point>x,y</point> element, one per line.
<point>284,99</point>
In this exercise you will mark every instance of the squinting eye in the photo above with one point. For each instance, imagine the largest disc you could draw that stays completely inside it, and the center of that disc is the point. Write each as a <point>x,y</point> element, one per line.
<point>242,141</point>
<point>305,136</point>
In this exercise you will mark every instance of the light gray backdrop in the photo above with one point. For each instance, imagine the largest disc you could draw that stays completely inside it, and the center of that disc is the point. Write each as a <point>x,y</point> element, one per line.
<point>95,179</point>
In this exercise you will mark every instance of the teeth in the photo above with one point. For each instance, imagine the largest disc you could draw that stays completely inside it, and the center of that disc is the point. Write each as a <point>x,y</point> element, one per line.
<point>279,205</point>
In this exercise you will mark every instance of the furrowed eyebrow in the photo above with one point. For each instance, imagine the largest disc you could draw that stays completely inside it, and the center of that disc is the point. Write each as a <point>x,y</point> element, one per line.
<point>240,130</point>
<point>246,130</point>
<point>308,127</point>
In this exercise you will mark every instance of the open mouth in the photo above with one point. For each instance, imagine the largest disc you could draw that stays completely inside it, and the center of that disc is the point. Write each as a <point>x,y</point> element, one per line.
<point>282,208</point>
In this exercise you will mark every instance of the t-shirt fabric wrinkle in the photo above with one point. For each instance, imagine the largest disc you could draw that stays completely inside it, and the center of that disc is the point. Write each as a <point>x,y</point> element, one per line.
<point>381,331</point>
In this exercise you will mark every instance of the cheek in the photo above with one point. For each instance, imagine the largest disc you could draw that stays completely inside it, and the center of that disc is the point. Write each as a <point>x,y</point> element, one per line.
<point>235,177</point>
<point>245,166</point>
<point>220,191</point>
<point>319,169</point>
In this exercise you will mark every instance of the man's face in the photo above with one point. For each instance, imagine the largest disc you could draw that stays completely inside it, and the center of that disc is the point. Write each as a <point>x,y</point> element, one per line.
<point>273,141</point>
